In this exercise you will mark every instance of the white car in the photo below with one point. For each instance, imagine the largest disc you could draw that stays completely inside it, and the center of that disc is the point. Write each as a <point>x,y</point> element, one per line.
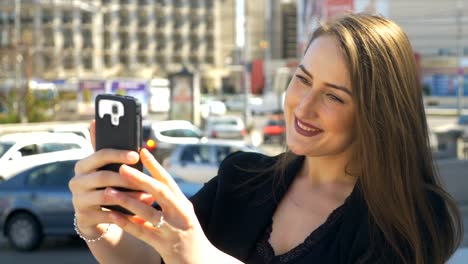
<point>80,130</point>
<point>20,151</point>
<point>210,107</point>
<point>199,162</point>
<point>161,137</point>
<point>225,127</point>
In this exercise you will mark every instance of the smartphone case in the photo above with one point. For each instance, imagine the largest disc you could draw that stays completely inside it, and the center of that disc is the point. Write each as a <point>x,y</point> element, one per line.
<point>125,136</point>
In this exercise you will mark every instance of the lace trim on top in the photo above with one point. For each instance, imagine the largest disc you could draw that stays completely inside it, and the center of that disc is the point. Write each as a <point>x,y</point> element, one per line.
<point>267,252</point>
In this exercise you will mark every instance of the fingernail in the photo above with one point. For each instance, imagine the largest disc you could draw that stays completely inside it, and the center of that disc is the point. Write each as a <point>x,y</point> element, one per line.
<point>132,156</point>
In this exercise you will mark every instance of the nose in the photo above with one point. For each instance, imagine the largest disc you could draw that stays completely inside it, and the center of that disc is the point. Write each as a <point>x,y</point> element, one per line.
<point>308,104</point>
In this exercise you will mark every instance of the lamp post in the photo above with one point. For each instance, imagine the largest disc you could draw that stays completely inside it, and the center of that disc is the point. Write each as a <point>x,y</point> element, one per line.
<point>243,48</point>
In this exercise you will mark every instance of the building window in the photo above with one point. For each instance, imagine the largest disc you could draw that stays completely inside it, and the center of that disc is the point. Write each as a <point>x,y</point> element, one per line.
<point>194,60</point>
<point>123,58</point>
<point>194,20</point>
<point>124,18</point>
<point>142,59</point>
<point>124,40</point>
<point>108,62</point>
<point>107,19</point>
<point>47,16</point>
<point>67,38</point>
<point>49,40</point>
<point>67,17</point>
<point>143,2</point>
<point>177,59</point>
<point>209,42</point>
<point>161,46</point>
<point>178,3</point>
<point>209,4</point>
<point>88,62</point>
<point>142,41</point>
<point>86,18</point>
<point>47,60</point>
<point>210,21</point>
<point>143,18</point>
<point>160,59</point>
<point>87,39</point>
<point>68,62</point>
<point>209,58</point>
<point>125,2</point>
<point>107,39</point>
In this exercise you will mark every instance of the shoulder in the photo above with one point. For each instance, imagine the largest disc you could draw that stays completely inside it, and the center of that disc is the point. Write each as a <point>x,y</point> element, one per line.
<point>247,160</point>
<point>239,167</point>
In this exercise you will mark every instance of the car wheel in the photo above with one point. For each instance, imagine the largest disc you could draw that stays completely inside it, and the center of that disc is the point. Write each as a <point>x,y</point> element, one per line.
<point>23,232</point>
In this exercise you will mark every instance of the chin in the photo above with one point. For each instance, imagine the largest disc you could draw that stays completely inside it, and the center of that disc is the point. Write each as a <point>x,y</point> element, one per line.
<point>299,149</point>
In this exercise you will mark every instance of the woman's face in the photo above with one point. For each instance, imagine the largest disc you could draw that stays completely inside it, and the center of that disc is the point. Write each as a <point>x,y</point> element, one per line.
<point>319,109</point>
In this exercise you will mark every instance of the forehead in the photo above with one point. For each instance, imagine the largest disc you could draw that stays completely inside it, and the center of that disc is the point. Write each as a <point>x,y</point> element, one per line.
<point>324,59</point>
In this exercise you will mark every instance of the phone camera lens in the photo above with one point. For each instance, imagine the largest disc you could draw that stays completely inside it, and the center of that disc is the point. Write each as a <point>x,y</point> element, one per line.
<point>115,109</point>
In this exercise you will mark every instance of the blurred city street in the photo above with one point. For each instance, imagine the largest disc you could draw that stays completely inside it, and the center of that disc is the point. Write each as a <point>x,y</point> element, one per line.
<point>210,77</point>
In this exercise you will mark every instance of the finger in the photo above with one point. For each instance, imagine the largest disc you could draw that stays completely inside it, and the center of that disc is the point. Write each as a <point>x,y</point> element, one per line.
<point>99,180</point>
<point>158,172</point>
<point>103,157</point>
<point>143,210</point>
<point>170,204</point>
<point>95,199</point>
<point>92,129</point>
<point>139,228</point>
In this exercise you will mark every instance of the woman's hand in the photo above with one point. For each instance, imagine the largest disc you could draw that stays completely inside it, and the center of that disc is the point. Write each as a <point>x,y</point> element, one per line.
<point>174,233</point>
<point>180,238</point>
<point>88,184</point>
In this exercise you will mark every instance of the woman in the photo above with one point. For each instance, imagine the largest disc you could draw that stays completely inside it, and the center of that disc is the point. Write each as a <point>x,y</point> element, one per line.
<point>357,184</point>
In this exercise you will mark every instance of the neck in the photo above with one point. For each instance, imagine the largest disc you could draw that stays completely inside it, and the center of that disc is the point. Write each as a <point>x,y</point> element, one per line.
<point>326,171</point>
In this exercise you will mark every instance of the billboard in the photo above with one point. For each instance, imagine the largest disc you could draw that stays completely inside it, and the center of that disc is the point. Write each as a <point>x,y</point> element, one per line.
<point>312,12</point>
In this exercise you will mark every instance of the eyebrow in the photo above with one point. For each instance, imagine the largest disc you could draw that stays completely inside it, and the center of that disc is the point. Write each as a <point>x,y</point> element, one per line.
<point>342,88</point>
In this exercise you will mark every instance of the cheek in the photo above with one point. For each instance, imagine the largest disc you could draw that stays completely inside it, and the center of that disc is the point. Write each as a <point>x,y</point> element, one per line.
<point>292,98</point>
<point>345,123</point>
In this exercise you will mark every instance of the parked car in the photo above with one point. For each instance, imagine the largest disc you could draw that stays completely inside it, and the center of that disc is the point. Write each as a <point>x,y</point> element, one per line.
<point>80,130</point>
<point>225,127</point>
<point>274,129</point>
<point>161,137</point>
<point>209,107</point>
<point>237,103</point>
<point>37,203</point>
<point>20,151</point>
<point>199,162</point>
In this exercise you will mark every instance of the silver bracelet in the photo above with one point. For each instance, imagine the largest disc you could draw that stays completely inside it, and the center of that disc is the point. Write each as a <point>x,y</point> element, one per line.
<point>78,232</point>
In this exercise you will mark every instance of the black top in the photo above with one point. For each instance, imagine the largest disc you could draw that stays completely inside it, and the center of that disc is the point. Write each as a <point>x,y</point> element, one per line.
<point>264,252</point>
<point>239,223</point>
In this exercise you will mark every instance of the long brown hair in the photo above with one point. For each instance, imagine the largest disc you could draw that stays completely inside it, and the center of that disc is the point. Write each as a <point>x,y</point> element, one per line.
<point>409,208</point>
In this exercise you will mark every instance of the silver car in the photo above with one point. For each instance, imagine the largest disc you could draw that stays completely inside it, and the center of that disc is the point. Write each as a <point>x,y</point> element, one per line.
<point>36,203</point>
<point>225,127</point>
<point>199,162</point>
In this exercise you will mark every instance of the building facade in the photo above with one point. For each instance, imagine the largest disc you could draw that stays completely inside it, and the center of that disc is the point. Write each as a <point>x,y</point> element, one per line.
<point>105,38</point>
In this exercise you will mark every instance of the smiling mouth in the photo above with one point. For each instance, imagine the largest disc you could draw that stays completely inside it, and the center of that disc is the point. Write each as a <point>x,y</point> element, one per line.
<point>305,129</point>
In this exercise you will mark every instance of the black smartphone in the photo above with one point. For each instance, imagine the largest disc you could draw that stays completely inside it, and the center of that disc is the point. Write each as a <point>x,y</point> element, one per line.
<point>118,126</point>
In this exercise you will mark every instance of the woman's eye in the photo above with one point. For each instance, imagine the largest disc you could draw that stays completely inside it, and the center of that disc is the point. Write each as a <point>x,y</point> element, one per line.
<point>302,79</point>
<point>334,98</point>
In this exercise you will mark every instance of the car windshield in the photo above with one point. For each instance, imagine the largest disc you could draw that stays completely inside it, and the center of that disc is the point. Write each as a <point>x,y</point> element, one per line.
<point>4,147</point>
<point>230,122</point>
<point>276,123</point>
<point>180,133</point>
